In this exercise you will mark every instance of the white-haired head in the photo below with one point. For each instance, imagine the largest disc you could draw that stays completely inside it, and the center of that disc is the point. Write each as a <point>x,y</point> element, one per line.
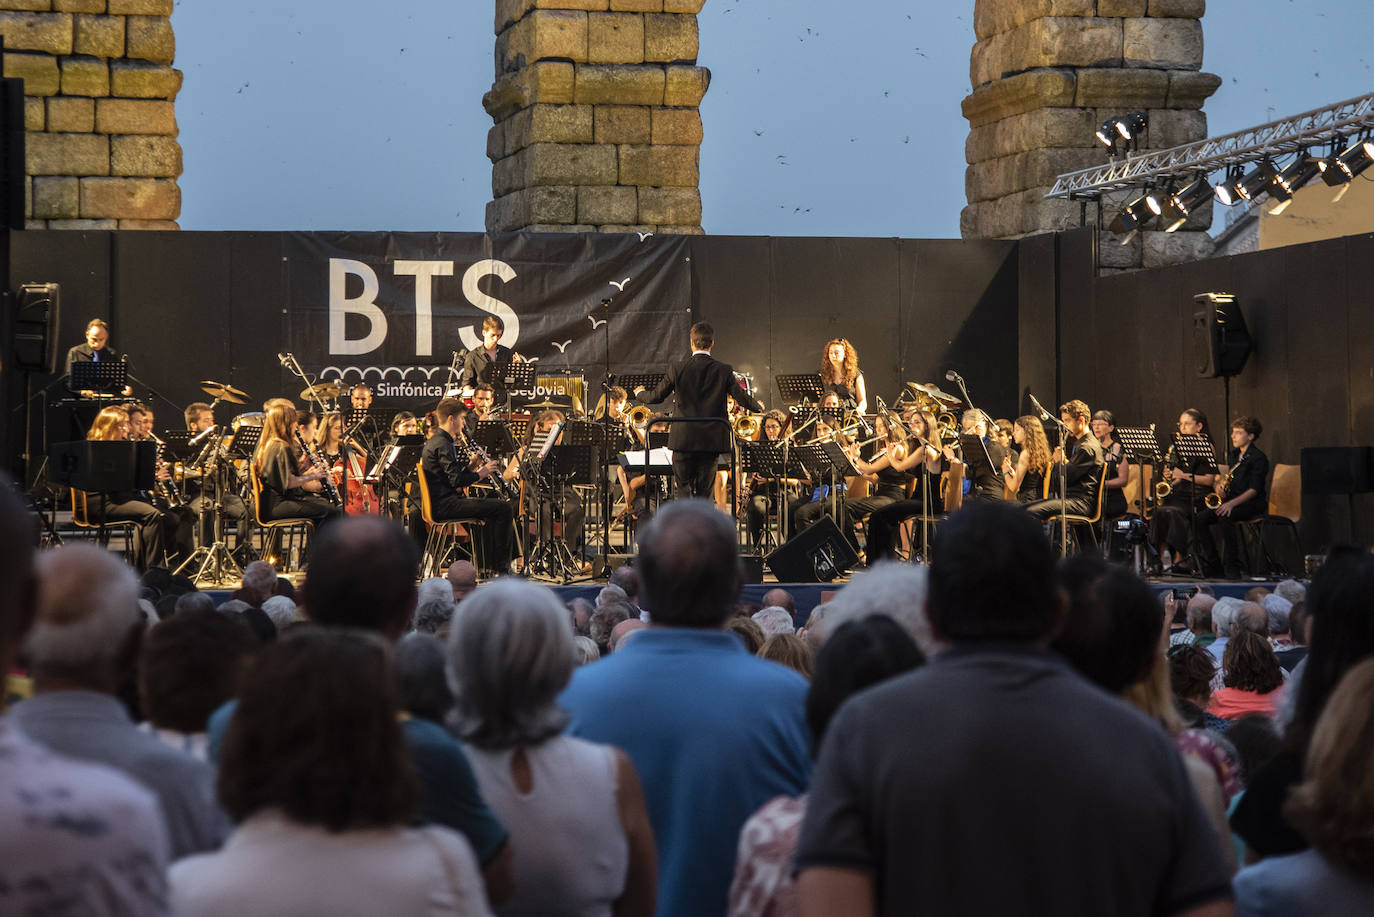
<point>1224,615</point>
<point>1276,612</point>
<point>1292,590</point>
<point>87,605</point>
<point>774,620</point>
<point>892,589</point>
<point>260,578</point>
<point>280,609</point>
<point>434,589</point>
<point>610,594</point>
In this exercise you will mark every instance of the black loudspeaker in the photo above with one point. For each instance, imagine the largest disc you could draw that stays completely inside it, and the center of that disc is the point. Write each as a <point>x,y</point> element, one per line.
<point>815,555</point>
<point>752,565</point>
<point>1328,470</point>
<point>1220,339</point>
<point>35,327</point>
<point>12,163</point>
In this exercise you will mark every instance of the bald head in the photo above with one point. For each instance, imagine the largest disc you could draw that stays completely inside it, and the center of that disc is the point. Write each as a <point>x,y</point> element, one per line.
<point>87,613</point>
<point>621,630</point>
<point>362,574</point>
<point>1253,618</point>
<point>462,577</point>
<point>782,599</point>
<point>689,565</point>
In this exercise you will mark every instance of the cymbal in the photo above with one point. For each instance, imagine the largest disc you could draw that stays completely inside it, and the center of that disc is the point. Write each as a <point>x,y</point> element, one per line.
<point>224,392</point>
<point>328,389</point>
<point>317,395</point>
<point>932,391</point>
<point>545,404</point>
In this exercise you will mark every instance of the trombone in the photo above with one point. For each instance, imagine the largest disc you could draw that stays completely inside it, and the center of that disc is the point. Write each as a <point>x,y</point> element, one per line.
<point>637,418</point>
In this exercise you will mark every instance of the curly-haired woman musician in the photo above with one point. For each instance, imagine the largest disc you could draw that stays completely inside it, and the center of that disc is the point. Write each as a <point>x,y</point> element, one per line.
<point>840,374</point>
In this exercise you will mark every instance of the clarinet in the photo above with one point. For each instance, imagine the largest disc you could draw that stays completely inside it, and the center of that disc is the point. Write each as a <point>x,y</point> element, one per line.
<point>507,489</point>
<point>166,490</point>
<point>331,492</point>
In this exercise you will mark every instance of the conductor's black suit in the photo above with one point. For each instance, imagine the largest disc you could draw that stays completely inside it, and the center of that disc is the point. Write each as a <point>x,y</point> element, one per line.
<point>700,384</point>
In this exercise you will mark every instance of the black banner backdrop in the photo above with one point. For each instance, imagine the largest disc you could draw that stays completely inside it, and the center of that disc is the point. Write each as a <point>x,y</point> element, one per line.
<point>393,309</point>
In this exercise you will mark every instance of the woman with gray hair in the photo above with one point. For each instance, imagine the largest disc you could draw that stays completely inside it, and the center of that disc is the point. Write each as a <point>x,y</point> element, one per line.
<point>580,832</point>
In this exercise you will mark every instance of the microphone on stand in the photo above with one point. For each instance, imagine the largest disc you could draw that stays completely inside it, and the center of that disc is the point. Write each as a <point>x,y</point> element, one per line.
<point>951,376</point>
<point>1044,414</point>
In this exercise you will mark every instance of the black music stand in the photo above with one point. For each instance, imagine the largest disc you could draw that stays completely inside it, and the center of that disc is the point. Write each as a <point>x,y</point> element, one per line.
<point>631,381</point>
<point>563,466</point>
<point>513,380</point>
<point>1139,445</point>
<point>103,467</point>
<point>593,434</point>
<point>776,462</point>
<point>394,463</point>
<point>495,437</point>
<point>108,377</point>
<point>1189,448</point>
<point>796,388</point>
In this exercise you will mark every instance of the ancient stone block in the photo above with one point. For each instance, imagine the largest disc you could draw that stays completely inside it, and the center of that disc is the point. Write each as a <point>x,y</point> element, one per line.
<point>1125,8</point>
<point>1183,9</point>
<point>35,114</point>
<point>508,212</point>
<point>163,225</point>
<point>47,32</point>
<point>137,80</point>
<point>996,178</point>
<point>670,38</point>
<point>85,76</point>
<point>157,157</point>
<point>1044,127</point>
<point>1119,251</point>
<point>543,35</point>
<point>559,124</point>
<point>150,38</point>
<point>37,6</point>
<point>627,228</point>
<point>99,36</point>
<point>1052,41</point>
<point>1174,128</point>
<point>35,224</point>
<point>676,126</point>
<point>130,198</point>
<point>56,198</point>
<point>685,86</point>
<point>683,6</point>
<point>623,123</point>
<point>992,17</point>
<point>67,154</point>
<point>624,85</point>
<point>553,204</point>
<point>1018,94</point>
<point>1189,89</point>
<point>141,7</point>
<point>71,115</point>
<point>1121,90</point>
<point>83,225</point>
<point>637,6</point>
<point>681,231</point>
<point>496,141</point>
<point>545,81</point>
<point>669,206</point>
<point>509,11</point>
<point>572,164</point>
<point>606,204</point>
<point>659,167</point>
<point>134,116</point>
<point>560,227</point>
<point>1165,248</point>
<point>510,173</point>
<point>615,38</point>
<point>1166,44</point>
<point>75,6</point>
<point>38,71</point>
<point>1017,215</point>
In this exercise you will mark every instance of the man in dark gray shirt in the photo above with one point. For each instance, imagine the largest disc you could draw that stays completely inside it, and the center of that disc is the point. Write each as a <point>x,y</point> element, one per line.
<point>995,780</point>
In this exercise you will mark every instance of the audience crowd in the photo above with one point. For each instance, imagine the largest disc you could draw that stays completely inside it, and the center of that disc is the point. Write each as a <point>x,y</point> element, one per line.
<point>998,733</point>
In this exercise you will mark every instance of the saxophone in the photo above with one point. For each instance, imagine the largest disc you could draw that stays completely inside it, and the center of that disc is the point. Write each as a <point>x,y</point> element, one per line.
<point>1214,499</point>
<point>1163,487</point>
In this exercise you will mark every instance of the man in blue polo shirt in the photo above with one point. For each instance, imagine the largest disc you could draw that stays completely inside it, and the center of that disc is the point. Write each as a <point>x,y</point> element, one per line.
<point>713,732</point>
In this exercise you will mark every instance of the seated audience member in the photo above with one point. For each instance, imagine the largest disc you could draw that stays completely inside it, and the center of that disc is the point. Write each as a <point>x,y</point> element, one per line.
<point>419,666</point>
<point>189,666</point>
<point>1190,676</point>
<point>510,654</point>
<point>1278,610</point>
<point>622,631</point>
<point>780,598</point>
<point>1255,740</point>
<point>462,579</point>
<point>862,653</point>
<point>748,631</point>
<point>688,677</point>
<point>1341,601</point>
<point>362,576</point>
<point>789,650</point>
<point>1224,612</point>
<point>323,786</point>
<point>1333,808</point>
<point>1198,621</point>
<point>1253,682</point>
<point>887,826</point>
<point>50,862</point>
<point>774,620</point>
<point>817,627</point>
<point>587,650</point>
<point>434,589</point>
<point>605,619</point>
<point>1299,626</point>
<point>610,593</point>
<point>892,589</point>
<point>197,600</point>
<point>81,650</point>
<point>627,580</point>
<point>433,615</point>
<point>281,611</point>
<point>286,588</point>
<point>1292,590</point>
<point>259,582</point>
<point>580,612</point>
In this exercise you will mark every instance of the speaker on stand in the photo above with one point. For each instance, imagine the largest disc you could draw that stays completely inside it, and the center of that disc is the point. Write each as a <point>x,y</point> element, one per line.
<point>814,555</point>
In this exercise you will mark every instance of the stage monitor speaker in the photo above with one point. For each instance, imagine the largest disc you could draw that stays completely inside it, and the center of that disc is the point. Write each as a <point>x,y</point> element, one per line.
<point>814,555</point>
<point>1337,470</point>
<point>35,327</point>
<point>752,565</point>
<point>12,164</point>
<point>1221,341</point>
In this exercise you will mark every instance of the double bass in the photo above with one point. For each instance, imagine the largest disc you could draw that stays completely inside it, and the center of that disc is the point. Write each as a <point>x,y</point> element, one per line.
<point>359,498</point>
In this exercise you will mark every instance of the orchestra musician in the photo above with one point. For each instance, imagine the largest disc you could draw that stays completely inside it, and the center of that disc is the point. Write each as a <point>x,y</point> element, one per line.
<point>983,463</point>
<point>360,396</point>
<point>560,503</point>
<point>819,502</point>
<point>1026,475</point>
<point>1244,495</point>
<point>1118,466</point>
<point>405,424</point>
<point>290,487</point>
<point>96,349</point>
<point>761,493</point>
<point>923,459</point>
<point>1190,480</point>
<point>885,474</point>
<point>701,384</point>
<point>480,364</point>
<point>347,463</point>
<point>178,520</point>
<point>840,374</point>
<point>633,488</point>
<point>1081,461</point>
<point>448,474</point>
<point>112,425</point>
<point>200,487</point>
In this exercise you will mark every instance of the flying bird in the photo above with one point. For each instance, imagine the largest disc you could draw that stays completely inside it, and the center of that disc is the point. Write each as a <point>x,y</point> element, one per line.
<point>620,285</point>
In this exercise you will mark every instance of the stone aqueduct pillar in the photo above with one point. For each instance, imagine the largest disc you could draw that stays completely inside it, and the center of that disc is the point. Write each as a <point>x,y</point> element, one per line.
<point>99,89</point>
<point>1045,74</point>
<point>597,128</point>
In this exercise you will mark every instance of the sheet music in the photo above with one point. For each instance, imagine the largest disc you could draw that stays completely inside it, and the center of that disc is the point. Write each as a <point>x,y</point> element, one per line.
<point>660,456</point>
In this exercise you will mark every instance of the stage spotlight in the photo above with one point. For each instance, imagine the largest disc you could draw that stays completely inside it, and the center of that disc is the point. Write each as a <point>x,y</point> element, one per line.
<point>1182,205</point>
<point>1106,134</point>
<point>1131,126</point>
<point>1132,218</point>
<point>1226,188</point>
<point>1357,158</point>
<point>1252,185</point>
<point>1284,185</point>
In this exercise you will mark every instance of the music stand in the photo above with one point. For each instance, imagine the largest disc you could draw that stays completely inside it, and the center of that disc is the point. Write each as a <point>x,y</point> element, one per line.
<point>798,387</point>
<point>631,381</point>
<point>109,377</point>
<point>495,437</point>
<point>513,380</point>
<point>245,442</point>
<point>777,462</point>
<point>103,467</point>
<point>1140,445</point>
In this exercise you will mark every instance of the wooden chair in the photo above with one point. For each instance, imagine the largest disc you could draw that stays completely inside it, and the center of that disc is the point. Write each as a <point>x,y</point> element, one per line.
<point>1090,522</point>
<point>272,529</point>
<point>81,518</point>
<point>444,534</point>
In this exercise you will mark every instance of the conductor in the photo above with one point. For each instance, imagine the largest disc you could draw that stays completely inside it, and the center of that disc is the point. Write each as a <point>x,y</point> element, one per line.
<point>701,384</point>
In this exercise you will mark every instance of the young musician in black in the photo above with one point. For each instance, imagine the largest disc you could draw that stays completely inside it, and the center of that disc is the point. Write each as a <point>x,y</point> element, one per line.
<point>1190,480</point>
<point>1244,495</point>
<point>447,472</point>
<point>1081,462</point>
<point>290,487</point>
<point>480,365</point>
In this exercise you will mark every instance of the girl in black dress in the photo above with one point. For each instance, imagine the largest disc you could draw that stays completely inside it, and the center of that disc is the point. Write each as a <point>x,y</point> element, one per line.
<point>840,374</point>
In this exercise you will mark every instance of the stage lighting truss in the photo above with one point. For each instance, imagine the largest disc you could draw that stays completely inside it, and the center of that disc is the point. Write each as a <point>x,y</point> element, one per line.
<point>1123,129</point>
<point>1262,146</point>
